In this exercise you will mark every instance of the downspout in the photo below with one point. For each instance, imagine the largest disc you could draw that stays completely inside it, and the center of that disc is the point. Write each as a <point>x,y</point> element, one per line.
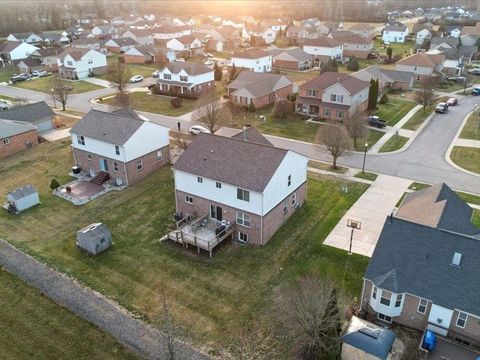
<point>261,223</point>
<point>125,165</point>
<point>362,294</point>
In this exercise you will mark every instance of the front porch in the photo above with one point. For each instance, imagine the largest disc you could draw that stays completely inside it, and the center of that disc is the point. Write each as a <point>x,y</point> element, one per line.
<point>204,232</point>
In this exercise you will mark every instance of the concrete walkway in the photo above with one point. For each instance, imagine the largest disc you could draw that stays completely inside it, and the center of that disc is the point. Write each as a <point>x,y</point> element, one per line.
<point>392,130</point>
<point>467,143</point>
<point>55,134</point>
<point>144,340</point>
<point>372,208</point>
<point>97,81</point>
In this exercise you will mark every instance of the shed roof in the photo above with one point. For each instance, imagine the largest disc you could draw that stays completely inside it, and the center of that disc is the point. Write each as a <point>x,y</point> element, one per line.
<point>29,113</point>
<point>94,231</point>
<point>22,192</point>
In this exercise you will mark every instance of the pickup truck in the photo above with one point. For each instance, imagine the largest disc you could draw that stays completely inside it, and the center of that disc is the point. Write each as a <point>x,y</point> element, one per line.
<point>374,120</point>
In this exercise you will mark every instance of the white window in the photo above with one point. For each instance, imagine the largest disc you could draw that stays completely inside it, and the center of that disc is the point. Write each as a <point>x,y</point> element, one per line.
<point>294,199</point>
<point>385,317</point>
<point>80,140</point>
<point>117,149</point>
<point>218,185</point>
<point>167,76</point>
<point>398,301</point>
<point>285,207</point>
<point>242,237</point>
<point>89,157</point>
<point>183,78</point>
<point>422,306</point>
<point>461,320</point>
<point>70,63</point>
<point>139,165</point>
<point>90,61</point>
<point>312,93</point>
<point>199,179</point>
<point>340,114</point>
<point>6,141</point>
<point>385,298</point>
<point>243,194</point>
<point>243,219</point>
<point>159,155</point>
<point>188,199</point>
<point>115,166</point>
<point>374,294</point>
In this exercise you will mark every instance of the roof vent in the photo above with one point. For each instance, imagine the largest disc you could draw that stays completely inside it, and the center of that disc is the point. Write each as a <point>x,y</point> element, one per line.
<point>457,259</point>
<point>369,332</point>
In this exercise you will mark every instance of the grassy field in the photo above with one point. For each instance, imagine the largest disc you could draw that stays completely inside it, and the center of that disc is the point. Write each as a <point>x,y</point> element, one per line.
<point>328,167</point>
<point>144,70</point>
<point>471,129</point>
<point>371,139</point>
<point>396,142</point>
<point>157,104</point>
<point>6,74</point>
<point>43,84</point>
<point>299,77</point>
<point>467,158</point>
<point>210,297</point>
<point>417,119</point>
<point>395,110</point>
<point>398,48</point>
<point>476,217</point>
<point>34,327</point>
<point>366,175</point>
<point>451,86</point>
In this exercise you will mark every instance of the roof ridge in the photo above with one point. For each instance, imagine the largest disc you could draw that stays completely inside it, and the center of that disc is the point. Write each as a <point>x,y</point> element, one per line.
<point>117,114</point>
<point>247,142</point>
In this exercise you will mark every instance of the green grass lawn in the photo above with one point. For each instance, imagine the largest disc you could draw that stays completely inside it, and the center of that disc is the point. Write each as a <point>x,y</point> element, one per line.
<point>34,327</point>
<point>140,69</point>
<point>398,48</point>
<point>6,74</point>
<point>471,129</point>
<point>476,217</point>
<point>418,186</point>
<point>395,110</point>
<point>299,77</point>
<point>467,158</point>
<point>366,175</point>
<point>210,297</point>
<point>371,139</point>
<point>450,86</point>
<point>43,84</point>
<point>327,167</point>
<point>396,142</point>
<point>158,104</point>
<point>417,119</point>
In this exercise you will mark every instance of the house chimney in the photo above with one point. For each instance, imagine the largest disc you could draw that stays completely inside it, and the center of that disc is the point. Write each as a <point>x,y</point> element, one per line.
<point>244,133</point>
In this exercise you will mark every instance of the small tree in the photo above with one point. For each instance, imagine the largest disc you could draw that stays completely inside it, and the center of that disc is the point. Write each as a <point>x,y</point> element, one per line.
<point>372,96</point>
<point>54,184</point>
<point>210,112</point>
<point>353,64</point>
<point>282,108</point>
<point>176,102</point>
<point>233,72</point>
<point>384,99</point>
<point>389,52</point>
<point>167,325</point>
<point>60,90</point>
<point>251,107</point>
<point>330,66</point>
<point>426,94</point>
<point>334,139</point>
<point>356,126</point>
<point>119,75</point>
<point>217,71</point>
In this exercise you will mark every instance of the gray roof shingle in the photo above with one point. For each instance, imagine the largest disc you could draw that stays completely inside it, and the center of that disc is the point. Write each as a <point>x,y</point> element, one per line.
<point>252,135</point>
<point>11,128</point>
<point>30,113</point>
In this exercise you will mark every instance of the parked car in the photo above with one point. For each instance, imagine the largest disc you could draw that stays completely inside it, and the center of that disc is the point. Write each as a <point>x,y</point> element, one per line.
<point>441,108</point>
<point>374,120</point>
<point>156,74</point>
<point>39,73</point>
<point>475,71</point>
<point>20,77</point>
<point>136,78</point>
<point>197,129</point>
<point>456,78</point>
<point>475,91</point>
<point>208,62</point>
<point>452,101</point>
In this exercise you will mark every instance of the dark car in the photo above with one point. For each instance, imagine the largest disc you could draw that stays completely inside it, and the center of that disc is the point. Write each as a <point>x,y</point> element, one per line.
<point>374,120</point>
<point>475,91</point>
<point>20,77</point>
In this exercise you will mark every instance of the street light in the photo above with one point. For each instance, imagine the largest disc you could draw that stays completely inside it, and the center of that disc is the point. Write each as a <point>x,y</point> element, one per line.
<point>52,91</point>
<point>364,157</point>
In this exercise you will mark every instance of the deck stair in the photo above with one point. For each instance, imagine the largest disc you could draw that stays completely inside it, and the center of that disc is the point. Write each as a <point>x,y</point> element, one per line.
<point>100,178</point>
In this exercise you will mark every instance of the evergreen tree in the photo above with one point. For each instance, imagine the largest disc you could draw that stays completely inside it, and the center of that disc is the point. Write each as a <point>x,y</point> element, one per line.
<point>389,53</point>
<point>353,64</point>
<point>384,99</point>
<point>217,71</point>
<point>371,95</point>
<point>233,72</point>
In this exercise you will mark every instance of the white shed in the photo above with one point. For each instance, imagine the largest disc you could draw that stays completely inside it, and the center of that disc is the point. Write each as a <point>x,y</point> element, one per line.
<point>22,198</point>
<point>94,238</point>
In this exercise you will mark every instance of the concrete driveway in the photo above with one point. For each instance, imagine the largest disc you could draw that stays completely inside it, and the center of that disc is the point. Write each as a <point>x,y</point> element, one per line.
<point>371,209</point>
<point>55,134</point>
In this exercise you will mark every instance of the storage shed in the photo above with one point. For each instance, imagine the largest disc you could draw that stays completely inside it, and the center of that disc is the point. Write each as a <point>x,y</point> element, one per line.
<point>22,198</point>
<point>94,238</point>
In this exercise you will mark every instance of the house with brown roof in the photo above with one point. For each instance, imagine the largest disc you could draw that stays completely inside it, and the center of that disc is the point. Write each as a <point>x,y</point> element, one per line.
<point>252,59</point>
<point>242,186</point>
<point>353,44</point>
<point>186,79</point>
<point>188,45</point>
<point>422,65</point>
<point>332,96</point>
<point>364,29</point>
<point>141,36</point>
<point>387,79</point>
<point>148,54</point>
<point>90,44</point>
<point>297,34</point>
<point>76,63</point>
<point>265,32</point>
<point>293,58</point>
<point>11,51</point>
<point>171,32</point>
<point>259,89</point>
<point>119,146</point>
<point>48,57</point>
<point>324,48</point>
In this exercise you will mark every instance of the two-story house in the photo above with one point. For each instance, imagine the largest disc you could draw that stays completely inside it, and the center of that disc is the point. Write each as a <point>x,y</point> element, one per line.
<point>424,270</point>
<point>121,144</point>
<point>364,29</point>
<point>15,50</point>
<point>76,63</point>
<point>266,33</point>
<point>422,36</point>
<point>29,38</point>
<point>396,33</point>
<point>422,65</point>
<point>242,181</point>
<point>185,78</point>
<point>353,44</point>
<point>252,59</point>
<point>120,45</point>
<point>141,36</point>
<point>293,58</point>
<point>332,96</point>
<point>324,48</point>
<point>188,45</point>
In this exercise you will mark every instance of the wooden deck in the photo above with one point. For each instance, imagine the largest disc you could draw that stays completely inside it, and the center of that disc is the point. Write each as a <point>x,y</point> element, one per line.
<point>200,232</point>
<point>449,350</point>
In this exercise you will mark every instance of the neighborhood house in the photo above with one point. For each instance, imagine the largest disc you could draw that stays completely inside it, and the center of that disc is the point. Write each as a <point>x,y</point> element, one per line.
<point>74,63</point>
<point>185,78</point>
<point>253,59</point>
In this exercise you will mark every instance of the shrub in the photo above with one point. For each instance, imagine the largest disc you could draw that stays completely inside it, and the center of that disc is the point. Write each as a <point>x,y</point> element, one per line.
<point>353,64</point>
<point>54,184</point>
<point>154,90</point>
<point>176,102</point>
<point>251,107</point>
<point>384,99</point>
<point>282,108</point>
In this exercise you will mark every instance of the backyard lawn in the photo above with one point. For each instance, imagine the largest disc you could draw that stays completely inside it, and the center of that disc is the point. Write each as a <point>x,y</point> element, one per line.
<point>144,70</point>
<point>395,110</point>
<point>396,142</point>
<point>398,48</point>
<point>210,297</point>
<point>299,77</point>
<point>467,158</point>
<point>471,129</point>
<point>6,74</point>
<point>34,327</point>
<point>43,84</point>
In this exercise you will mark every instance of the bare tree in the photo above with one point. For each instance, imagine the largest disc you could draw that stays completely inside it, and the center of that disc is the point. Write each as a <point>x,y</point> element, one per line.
<point>182,140</point>
<point>167,325</point>
<point>124,100</point>
<point>119,75</point>
<point>426,94</point>
<point>60,90</point>
<point>309,318</point>
<point>334,139</point>
<point>356,125</point>
<point>211,113</point>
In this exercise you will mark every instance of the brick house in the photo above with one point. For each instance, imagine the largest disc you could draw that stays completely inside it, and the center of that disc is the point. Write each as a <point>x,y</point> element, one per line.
<point>387,79</point>
<point>332,96</point>
<point>185,78</point>
<point>38,114</point>
<point>260,89</point>
<point>243,180</point>
<point>16,136</point>
<point>422,65</point>
<point>353,44</point>
<point>424,271</point>
<point>121,144</point>
<point>293,59</point>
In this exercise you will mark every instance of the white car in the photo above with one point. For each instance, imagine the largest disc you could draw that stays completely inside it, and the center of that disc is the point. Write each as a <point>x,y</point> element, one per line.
<point>136,78</point>
<point>197,129</point>
<point>208,62</point>
<point>39,73</point>
<point>156,74</point>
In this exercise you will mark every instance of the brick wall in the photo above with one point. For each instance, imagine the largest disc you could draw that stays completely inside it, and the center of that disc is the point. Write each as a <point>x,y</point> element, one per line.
<point>150,163</point>
<point>359,54</point>
<point>264,100</point>
<point>18,143</point>
<point>292,65</point>
<point>410,316</point>
<point>133,59</point>
<point>471,332</point>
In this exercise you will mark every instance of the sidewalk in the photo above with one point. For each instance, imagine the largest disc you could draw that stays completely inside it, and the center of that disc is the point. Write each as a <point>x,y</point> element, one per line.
<point>467,143</point>
<point>392,130</point>
<point>371,209</point>
<point>97,81</point>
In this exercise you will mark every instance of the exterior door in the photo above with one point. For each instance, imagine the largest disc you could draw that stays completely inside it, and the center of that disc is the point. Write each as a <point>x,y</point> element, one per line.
<point>216,212</point>
<point>103,165</point>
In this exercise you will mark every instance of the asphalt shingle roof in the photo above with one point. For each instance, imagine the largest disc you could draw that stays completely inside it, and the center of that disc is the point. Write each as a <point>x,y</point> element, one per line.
<point>252,135</point>
<point>11,128</point>
<point>30,113</point>
<point>327,79</point>
<point>322,41</point>
<point>190,68</point>
<point>259,84</point>
<point>250,54</point>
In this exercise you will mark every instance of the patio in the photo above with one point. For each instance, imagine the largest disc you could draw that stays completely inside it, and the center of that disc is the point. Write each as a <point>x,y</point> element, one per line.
<point>448,350</point>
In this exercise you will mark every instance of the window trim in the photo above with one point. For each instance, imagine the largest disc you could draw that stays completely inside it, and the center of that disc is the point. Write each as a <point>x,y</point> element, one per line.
<point>243,219</point>
<point>243,194</point>
<point>420,304</point>
<point>159,155</point>
<point>398,300</point>
<point>242,234</point>
<point>218,185</point>
<point>6,141</point>
<point>89,157</point>
<point>289,180</point>
<point>139,165</point>
<point>115,166</point>
<point>374,292</point>
<point>384,319</point>
<point>294,199</point>
<point>81,140</point>
<point>382,297</point>
<point>187,198</point>
<point>117,150</point>
<point>464,320</point>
